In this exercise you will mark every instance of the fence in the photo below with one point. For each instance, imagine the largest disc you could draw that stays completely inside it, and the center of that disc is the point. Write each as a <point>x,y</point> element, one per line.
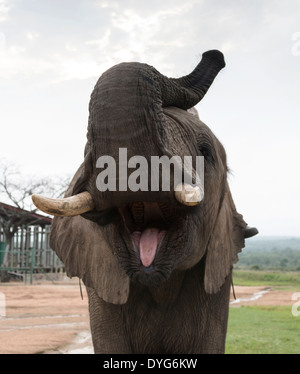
<point>30,253</point>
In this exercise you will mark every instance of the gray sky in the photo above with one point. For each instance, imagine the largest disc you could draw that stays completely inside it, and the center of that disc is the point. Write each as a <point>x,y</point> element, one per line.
<point>52,52</point>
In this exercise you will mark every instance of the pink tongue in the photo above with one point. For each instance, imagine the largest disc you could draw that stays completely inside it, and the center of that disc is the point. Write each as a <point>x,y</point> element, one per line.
<point>149,241</point>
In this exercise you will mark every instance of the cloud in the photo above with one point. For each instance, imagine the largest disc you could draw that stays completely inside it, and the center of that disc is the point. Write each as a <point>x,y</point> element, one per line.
<point>113,32</point>
<point>17,64</point>
<point>4,10</point>
<point>140,31</point>
<point>76,69</point>
<point>32,35</point>
<point>169,35</point>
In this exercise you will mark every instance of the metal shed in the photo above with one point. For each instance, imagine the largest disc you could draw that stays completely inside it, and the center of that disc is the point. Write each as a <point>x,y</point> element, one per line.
<point>24,242</point>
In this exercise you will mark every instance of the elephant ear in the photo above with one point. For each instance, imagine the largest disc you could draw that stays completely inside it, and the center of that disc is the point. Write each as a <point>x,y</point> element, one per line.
<point>226,241</point>
<point>82,247</point>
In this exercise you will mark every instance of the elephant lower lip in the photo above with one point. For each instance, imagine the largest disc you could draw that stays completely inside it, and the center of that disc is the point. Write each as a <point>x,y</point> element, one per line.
<point>148,270</point>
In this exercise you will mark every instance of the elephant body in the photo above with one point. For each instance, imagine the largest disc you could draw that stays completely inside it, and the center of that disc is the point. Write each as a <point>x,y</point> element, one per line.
<point>179,317</point>
<point>157,271</point>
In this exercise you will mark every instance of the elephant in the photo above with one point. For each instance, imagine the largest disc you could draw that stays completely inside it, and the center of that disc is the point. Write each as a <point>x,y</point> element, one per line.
<point>157,268</point>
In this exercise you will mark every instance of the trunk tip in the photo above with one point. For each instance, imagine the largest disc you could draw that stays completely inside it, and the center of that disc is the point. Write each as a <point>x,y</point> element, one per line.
<point>216,56</point>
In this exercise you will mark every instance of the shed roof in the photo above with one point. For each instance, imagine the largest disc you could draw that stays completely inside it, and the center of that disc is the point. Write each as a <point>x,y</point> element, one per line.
<point>23,217</point>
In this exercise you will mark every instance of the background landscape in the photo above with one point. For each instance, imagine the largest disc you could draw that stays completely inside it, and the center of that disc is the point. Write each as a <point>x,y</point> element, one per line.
<point>271,253</point>
<point>267,325</point>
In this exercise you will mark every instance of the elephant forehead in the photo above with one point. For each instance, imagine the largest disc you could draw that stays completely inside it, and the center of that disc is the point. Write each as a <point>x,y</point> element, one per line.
<point>186,133</point>
<point>189,123</point>
<point>181,130</point>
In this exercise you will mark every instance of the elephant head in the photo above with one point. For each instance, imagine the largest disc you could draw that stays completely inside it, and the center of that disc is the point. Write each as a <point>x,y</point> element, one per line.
<point>114,237</point>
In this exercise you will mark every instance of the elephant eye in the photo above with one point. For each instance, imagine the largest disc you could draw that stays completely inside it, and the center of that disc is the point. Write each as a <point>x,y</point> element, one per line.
<point>205,152</point>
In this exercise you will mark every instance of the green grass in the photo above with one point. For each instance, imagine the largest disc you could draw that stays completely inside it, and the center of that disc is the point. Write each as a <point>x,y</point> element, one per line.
<point>266,278</point>
<point>264,330</point>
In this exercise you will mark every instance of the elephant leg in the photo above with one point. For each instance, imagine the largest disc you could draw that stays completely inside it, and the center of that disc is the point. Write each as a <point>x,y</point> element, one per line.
<point>106,326</point>
<point>216,319</point>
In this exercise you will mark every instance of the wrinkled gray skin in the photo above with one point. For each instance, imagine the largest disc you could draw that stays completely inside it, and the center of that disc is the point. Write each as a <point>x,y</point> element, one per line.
<point>180,303</point>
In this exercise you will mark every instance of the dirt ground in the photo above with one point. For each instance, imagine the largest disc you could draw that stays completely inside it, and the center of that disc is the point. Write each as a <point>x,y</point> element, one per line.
<point>261,296</point>
<point>53,318</point>
<point>44,318</point>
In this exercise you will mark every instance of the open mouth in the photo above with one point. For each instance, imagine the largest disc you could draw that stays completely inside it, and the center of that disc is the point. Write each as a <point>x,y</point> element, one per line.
<point>147,224</point>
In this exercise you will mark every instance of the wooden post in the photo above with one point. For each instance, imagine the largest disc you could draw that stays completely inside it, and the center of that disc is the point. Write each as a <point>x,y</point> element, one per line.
<point>31,264</point>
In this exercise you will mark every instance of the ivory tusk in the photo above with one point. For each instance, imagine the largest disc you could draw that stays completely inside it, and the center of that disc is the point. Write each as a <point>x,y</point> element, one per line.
<point>65,207</point>
<point>188,195</point>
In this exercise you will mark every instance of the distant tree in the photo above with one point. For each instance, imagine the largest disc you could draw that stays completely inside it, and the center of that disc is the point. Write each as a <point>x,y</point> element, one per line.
<point>284,262</point>
<point>16,188</point>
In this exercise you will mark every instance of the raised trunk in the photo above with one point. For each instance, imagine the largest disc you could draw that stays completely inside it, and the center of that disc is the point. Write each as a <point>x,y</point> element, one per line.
<point>126,111</point>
